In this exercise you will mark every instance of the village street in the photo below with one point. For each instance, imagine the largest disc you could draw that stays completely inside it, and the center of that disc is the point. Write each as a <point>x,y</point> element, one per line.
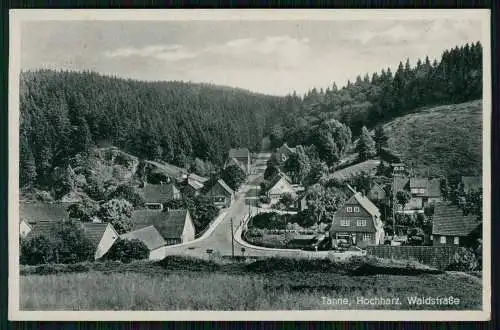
<point>219,240</point>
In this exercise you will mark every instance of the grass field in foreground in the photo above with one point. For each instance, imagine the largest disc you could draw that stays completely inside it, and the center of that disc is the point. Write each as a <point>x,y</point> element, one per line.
<point>220,291</point>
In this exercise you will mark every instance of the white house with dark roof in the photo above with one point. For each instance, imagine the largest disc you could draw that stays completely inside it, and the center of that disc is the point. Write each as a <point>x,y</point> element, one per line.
<point>424,191</point>
<point>357,222</point>
<point>221,194</point>
<point>278,186</point>
<point>175,226</point>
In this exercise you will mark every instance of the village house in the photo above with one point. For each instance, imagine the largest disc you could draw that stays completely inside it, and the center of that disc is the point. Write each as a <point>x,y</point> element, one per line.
<point>451,227</point>
<point>423,192</point>
<point>278,186</point>
<point>150,236</point>
<point>101,235</point>
<point>472,183</point>
<point>357,222</point>
<point>175,226</point>
<point>155,195</point>
<point>377,193</point>
<point>221,194</point>
<point>24,228</point>
<point>398,169</point>
<point>284,152</point>
<point>193,187</point>
<point>369,167</point>
<point>241,158</point>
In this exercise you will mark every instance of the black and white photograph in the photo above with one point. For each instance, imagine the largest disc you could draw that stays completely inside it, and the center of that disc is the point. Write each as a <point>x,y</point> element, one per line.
<point>249,164</point>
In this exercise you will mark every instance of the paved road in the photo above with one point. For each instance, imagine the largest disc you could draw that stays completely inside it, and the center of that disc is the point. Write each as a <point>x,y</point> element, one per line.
<point>219,239</point>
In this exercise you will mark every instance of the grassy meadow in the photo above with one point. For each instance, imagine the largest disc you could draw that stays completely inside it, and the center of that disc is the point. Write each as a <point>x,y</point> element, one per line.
<point>254,290</point>
<point>444,140</point>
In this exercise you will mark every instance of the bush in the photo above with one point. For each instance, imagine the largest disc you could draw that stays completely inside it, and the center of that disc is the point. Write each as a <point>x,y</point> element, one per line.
<point>34,250</point>
<point>118,212</point>
<point>65,243</point>
<point>464,259</point>
<point>126,250</point>
<point>130,194</point>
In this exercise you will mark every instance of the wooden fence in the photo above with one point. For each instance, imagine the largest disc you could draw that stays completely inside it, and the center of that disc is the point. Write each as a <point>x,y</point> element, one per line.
<point>436,256</point>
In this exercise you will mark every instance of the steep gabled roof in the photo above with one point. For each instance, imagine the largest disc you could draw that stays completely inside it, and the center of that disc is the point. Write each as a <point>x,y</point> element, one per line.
<point>400,183</point>
<point>148,235</point>
<point>225,186</point>
<point>158,193</point>
<point>236,162</point>
<point>275,179</point>
<point>170,223</point>
<point>196,185</point>
<point>472,183</point>
<point>434,188</point>
<point>43,212</point>
<point>418,182</point>
<point>94,231</point>
<point>367,166</point>
<point>239,152</point>
<point>367,204</point>
<point>449,220</point>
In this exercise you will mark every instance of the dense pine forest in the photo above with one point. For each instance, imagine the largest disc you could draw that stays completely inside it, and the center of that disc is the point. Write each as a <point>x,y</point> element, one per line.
<point>371,100</point>
<point>65,113</point>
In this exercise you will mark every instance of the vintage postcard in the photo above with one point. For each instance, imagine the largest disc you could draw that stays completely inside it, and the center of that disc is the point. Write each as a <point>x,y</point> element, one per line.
<point>249,165</point>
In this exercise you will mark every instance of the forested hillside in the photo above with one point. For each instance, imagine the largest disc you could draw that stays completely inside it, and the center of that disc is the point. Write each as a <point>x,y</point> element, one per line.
<point>64,113</point>
<point>375,99</point>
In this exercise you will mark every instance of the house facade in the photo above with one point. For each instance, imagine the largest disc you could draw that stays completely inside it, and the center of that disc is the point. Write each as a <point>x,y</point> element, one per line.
<point>279,186</point>
<point>241,158</point>
<point>221,194</point>
<point>357,222</point>
<point>423,191</point>
<point>157,194</point>
<point>24,228</point>
<point>398,169</point>
<point>450,226</point>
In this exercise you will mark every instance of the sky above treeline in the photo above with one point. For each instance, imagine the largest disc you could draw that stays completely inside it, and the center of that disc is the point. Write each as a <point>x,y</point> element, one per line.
<point>272,57</point>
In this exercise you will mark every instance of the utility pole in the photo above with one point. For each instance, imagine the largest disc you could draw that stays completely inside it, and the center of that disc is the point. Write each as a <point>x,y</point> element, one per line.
<point>232,239</point>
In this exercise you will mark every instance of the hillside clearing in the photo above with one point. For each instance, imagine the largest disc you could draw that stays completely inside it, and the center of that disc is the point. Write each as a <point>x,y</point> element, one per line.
<point>444,140</point>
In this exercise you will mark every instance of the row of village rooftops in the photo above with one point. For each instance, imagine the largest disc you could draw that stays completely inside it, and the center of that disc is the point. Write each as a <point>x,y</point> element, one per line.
<point>358,220</point>
<point>152,225</point>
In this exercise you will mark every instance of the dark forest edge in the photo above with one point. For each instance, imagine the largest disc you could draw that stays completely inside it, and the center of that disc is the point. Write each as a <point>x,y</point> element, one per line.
<point>68,113</point>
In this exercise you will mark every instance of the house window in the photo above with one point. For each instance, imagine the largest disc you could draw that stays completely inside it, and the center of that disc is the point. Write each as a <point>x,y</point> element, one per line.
<point>442,240</point>
<point>344,223</point>
<point>432,237</point>
<point>349,209</point>
<point>455,240</point>
<point>356,209</point>
<point>219,199</point>
<point>367,237</point>
<point>361,223</point>
<point>422,190</point>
